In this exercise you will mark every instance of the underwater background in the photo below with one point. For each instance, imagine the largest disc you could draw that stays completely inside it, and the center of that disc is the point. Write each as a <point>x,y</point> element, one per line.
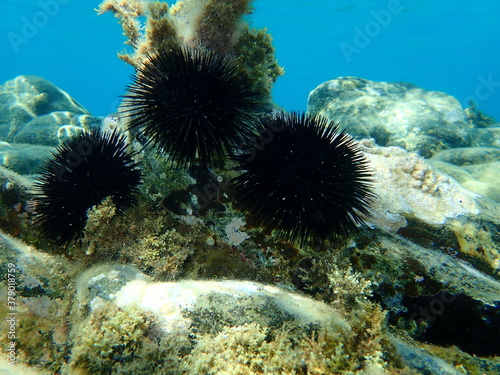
<point>200,230</point>
<point>448,46</point>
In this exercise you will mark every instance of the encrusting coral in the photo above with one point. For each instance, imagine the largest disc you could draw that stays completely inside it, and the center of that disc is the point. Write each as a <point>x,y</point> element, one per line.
<point>216,25</point>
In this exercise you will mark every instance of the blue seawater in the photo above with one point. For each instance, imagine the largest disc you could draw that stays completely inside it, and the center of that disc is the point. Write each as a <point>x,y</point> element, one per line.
<point>447,45</point>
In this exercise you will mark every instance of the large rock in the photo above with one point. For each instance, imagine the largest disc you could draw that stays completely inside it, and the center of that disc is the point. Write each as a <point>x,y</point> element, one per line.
<point>486,137</point>
<point>418,201</point>
<point>179,325</point>
<point>180,305</point>
<point>394,114</point>
<point>33,110</point>
<point>215,327</point>
<point>38,96</point>
<point>53,128</point>
<point>468,155</point>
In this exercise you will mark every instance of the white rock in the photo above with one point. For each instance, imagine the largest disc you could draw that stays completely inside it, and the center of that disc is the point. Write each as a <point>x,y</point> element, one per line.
<point>171,302</point>
<point>407,186</point>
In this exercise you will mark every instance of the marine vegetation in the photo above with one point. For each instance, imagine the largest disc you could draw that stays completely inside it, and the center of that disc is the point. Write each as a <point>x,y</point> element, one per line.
<point>216,25</point>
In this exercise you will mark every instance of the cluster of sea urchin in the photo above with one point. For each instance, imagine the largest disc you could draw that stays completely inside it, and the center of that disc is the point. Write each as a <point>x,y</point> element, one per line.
<point>193,105</point>
<point>308,180</point>
<point>82,172</point>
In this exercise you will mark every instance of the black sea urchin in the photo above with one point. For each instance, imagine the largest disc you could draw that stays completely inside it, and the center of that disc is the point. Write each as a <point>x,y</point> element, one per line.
<point>82,172</point>
<point>305,178</point>
<point>192,104</point>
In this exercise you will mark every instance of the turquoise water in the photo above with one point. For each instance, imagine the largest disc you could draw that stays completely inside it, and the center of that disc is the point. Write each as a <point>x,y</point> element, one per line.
<point>449,46</point>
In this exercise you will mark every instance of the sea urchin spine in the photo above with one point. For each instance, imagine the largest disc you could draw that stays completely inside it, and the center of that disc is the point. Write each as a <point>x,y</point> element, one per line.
<point>309,180</point>
<point>82,172</point>
<point>192,104</point>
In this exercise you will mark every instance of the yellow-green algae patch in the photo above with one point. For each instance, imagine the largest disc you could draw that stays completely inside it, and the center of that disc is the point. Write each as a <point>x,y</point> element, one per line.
<point>479,241</point>
<point>145,238</point>
<point>238,328</point>
<point>121,341</point>
<point>162,245</point>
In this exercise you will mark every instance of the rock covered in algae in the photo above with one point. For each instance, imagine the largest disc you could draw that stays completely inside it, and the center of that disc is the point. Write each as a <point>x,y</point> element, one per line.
<point>23,158</point>
<point>33,102</point>
<point>179,305</point>
<point>213,327</point>
<point>394,114</point>
<point>99,284</point>
<point>35,96</point>
<point>41,287</point>
<point>231,327</point>
<point>418,201</point>
<point>486,137</point>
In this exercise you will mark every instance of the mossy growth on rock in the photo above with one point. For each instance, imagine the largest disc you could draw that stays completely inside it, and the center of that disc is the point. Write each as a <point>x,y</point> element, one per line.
<point>348,292</point>
<point>228,327</point>
<point>251,348</point>
<point>120,341</point>
<point>255,54</point>
<point>144,237</point>
<point>162,245</point>
<point>43,291</point>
